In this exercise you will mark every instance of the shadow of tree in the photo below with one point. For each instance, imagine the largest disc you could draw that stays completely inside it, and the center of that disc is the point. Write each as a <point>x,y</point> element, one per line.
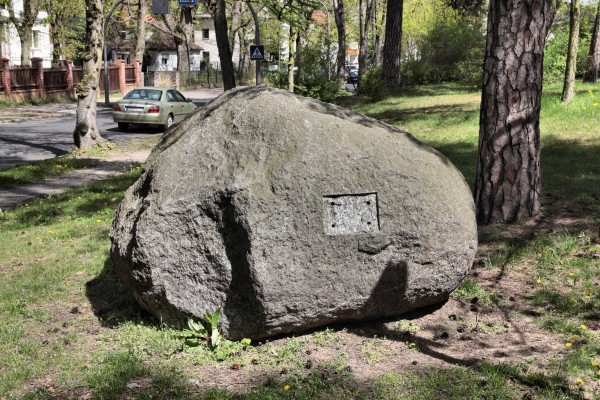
<point>91,199</point>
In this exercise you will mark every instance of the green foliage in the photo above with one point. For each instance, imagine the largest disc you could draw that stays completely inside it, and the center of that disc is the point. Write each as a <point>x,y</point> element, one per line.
<point>555,51</point>
<point>371,84</point>
<point>471,291</point>
<point>452,49</point>
<point>313,81</point>
<point>314,75</point>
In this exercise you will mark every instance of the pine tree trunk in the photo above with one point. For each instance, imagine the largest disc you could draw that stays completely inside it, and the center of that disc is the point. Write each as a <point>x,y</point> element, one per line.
<point>569,84</point>
<point>363,49</point>
<point>592,62</point>
<point>220,20</point>
<point>86,131</point>
<point>390,66</point>
<point>364,21</point>
<point>338,10</point>
<point>507,187</point>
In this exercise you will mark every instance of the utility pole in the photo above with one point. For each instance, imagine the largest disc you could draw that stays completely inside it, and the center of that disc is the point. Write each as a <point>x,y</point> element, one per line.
<point>256,42</point>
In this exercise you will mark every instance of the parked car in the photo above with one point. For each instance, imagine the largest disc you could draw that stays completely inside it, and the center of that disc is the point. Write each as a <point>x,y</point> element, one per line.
<point>352,73</point>
<point>151,106</point>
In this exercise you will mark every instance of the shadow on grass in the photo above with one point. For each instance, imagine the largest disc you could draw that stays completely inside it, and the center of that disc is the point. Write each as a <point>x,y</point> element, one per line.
<point>124,375</point>
<point>458,113</point>
<point>82,202</point>
<point>488,377</point>
<point>113,303</point>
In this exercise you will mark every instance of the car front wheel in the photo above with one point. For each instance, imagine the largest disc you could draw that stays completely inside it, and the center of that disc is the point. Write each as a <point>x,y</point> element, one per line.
<point>123,126</point>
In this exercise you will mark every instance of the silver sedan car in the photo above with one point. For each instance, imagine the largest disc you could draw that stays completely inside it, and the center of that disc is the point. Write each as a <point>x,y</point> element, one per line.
<point>152,106</point>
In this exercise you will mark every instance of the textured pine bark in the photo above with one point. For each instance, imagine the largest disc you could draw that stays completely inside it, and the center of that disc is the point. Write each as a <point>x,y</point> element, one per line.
<point>569,83</point>
<point>593,58</point>
<point>221,33</point>
<point>86,133</point>
<point>338,10</point>
<point>507,187</point>
<point>365,24</point>
<point>390,65</point>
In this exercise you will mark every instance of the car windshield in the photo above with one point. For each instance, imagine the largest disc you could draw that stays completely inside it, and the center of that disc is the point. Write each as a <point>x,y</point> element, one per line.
<point>144,94</point>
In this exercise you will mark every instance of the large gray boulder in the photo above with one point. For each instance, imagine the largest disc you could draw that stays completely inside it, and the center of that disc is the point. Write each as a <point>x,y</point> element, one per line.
<point>287,214</point>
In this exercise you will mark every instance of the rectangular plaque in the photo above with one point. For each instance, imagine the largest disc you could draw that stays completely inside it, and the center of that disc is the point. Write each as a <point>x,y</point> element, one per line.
<point>350,214</point>
<point>160,7</point>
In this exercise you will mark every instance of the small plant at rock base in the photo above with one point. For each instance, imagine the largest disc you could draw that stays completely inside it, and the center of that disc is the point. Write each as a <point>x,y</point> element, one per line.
<point>207,332</point>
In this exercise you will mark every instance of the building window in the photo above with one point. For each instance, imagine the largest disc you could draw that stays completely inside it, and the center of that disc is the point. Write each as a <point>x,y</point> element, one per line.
<point>205,34</point>
<point>36,39</point>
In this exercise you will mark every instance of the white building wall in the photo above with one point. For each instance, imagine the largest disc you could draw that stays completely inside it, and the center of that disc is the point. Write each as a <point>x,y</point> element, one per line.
<point>203,24</point>
<point>163,61</point>
<point>11,46</point>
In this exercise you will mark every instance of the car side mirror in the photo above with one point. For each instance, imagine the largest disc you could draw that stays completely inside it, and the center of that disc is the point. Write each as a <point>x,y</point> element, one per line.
<point>189,100</point>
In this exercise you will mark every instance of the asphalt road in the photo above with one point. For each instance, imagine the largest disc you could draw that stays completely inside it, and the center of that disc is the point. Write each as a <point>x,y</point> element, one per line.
<point>28,141</point>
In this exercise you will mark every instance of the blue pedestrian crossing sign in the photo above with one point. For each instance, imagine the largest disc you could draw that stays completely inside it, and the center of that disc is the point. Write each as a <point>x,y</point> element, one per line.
<point>257,52</point>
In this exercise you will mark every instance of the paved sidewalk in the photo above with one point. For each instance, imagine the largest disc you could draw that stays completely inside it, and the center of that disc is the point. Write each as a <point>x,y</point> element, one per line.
<point>51,110</point>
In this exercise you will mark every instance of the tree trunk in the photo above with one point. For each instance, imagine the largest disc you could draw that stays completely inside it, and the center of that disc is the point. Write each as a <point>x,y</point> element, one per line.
<point>592,62</point>
<point>23,23</point>
<point>338,10</point>
<point>25,40</point>
<point>569,85</point>
<point>292,58</point>
<point>507,187</point>
<point>236,21</point>
<point>56,44</point>
<point>390,66</point>
<point>377,56</point>
<point>140,32</point>
<point>363,47</point>
<point>182,41</point>
<point>86,131</point>
<point>220,21</point>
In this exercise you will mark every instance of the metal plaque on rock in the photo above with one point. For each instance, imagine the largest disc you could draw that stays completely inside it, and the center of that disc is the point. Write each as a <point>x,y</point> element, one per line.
<point>350,214</point>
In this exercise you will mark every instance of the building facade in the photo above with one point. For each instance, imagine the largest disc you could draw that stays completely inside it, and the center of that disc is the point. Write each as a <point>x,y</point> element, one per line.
<point>10,45</point>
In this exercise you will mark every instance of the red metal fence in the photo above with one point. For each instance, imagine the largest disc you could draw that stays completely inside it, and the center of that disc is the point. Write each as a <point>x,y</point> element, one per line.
<point>17,83</point>
<point>22,78</point>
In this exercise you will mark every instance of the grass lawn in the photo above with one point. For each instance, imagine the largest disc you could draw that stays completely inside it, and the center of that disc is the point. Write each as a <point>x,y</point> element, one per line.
<point>524,325</point>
